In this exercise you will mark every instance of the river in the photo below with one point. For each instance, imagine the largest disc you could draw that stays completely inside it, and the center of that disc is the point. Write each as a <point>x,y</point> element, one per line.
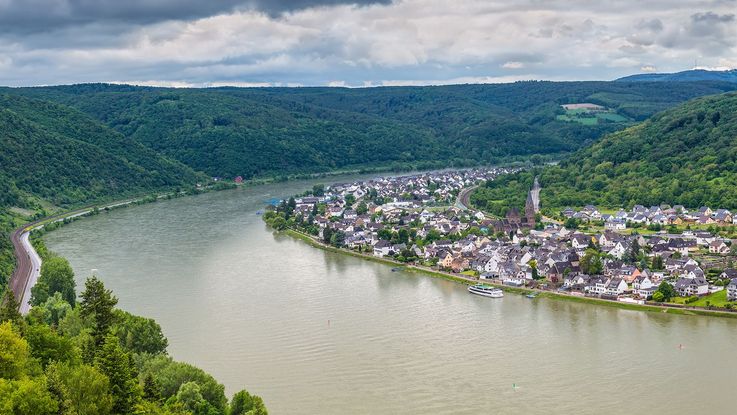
<point>315,332</point>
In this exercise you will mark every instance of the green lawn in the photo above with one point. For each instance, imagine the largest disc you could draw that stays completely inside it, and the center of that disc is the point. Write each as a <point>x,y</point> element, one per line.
<point>718,299</point>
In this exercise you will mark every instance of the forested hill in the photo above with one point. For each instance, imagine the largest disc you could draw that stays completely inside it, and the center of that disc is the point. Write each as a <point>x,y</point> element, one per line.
<point>692,75</point>
<point>686,155</point>
<point>271,131</point>
<point>64,156</point>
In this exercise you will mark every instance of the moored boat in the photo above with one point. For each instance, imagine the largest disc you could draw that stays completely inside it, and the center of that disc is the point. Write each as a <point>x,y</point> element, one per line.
<point>486,291</point>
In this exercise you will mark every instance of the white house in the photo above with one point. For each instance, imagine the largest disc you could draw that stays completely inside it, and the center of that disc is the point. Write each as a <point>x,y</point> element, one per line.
<point>718,247</point>
<point>616,287</point>
<point>732,290</point>
<point>382,248</point>
<point>615,225</point>
<point>643,285</point>
<point>687,287</point>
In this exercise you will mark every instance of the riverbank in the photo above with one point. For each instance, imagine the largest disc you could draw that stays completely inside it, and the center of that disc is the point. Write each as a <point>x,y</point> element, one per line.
<point>28,262</point>
<point>466,280</point>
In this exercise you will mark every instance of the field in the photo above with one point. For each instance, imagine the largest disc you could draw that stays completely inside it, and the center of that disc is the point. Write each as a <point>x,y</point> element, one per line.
<point>718,299</point>
<point>587,117</point>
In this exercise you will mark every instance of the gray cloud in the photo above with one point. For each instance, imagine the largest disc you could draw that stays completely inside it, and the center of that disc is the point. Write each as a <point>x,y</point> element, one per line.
<point>319,42</point>
<point>28,16</point>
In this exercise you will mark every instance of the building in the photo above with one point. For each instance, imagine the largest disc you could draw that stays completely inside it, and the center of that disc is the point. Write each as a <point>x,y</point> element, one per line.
<point>732,290</point>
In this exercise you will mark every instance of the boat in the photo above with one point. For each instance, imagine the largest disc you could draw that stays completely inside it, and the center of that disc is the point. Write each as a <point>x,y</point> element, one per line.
<point>486,291</point>
<point>531,295</point>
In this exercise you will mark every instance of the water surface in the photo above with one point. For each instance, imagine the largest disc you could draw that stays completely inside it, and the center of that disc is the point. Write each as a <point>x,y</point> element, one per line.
<point>315,332</point>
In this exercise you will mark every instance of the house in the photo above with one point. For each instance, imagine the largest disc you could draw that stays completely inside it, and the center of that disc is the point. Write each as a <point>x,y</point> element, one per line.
<point>732,290</point>
<point>382,248</point>
<point>446,259</point>
<point>580,241</point>
<point>718,247</point>
<point>616,287</point>
<point>597,285</point>
<point>687,287</point>
<point>615,225</point>
<point>643,286</point>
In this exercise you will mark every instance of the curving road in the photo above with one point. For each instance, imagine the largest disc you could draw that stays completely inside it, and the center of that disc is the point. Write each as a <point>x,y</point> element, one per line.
<point>464,198</point>
<point>27,270</point>
<point>28,262</point>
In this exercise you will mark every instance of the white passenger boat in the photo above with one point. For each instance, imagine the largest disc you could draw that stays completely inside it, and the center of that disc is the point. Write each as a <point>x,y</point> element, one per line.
<point>486,291</point>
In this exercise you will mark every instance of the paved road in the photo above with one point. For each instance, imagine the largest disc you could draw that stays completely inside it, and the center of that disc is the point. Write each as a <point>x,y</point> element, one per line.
<point>536,195</point>
<point>464,198</point>
<point>28,262</point>
<point>25,266</point>
<point>34,261</point>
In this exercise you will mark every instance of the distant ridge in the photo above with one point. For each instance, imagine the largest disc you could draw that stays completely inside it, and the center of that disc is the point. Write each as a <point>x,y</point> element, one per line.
<point>683,76</point>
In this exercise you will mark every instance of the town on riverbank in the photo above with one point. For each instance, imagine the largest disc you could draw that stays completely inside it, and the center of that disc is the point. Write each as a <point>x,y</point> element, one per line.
<point>659,255</point>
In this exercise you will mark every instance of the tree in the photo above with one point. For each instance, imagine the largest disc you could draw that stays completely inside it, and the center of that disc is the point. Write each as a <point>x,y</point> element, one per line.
<point>666,290</point>
<point>80,390</point>
<point>362,208</point>
<point>54,309</point>
<point>657,263</point>
<point>318,190</point>
<point>634,251</point>
<point>56,276</point>
<point>14,352</point>
<point>115,363</point>
<point>535,273</point>
<point>591,262</point>
<point>47,346</point>
<point>279,223</point>
<point>98,303</point>
<point>327,234</point>
<point>170,375</point>
<point>243,403</point>
<point>151,388</point>
<point>337,239</point>
<point>9,309</point>
<point>139,334</point>
<point>26,397</point>
<point>189,396</point>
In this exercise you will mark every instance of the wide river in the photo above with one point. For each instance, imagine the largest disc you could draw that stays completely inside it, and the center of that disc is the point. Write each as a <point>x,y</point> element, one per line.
<point>315,332</point>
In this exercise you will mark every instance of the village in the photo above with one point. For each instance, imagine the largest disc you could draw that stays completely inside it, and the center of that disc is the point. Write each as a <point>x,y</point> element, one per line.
<point>637,256</point>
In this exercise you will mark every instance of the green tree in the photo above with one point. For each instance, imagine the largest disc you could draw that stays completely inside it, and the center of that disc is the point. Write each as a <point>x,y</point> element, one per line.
<point>81,390</point>
<point>114,362</point>
<point>55,309</point>
<point>591,262</point>
<point>337,239</point>
<point>243,403</point>
<point>666,290</point>
<point>47,346</point>
<point>14,352</point>
<point>98,303</point>
<point>318,190</point>
<point>9,309</point>
<point>26,397</point>
<point>151,389</point>
<point>139,334</point>
<point>170,375</point>
<point>327,234</point>
<point>56,276</point>
<point>362,208</point>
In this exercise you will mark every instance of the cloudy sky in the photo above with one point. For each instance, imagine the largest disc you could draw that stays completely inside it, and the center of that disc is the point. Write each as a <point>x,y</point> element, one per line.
<point>357,42</point>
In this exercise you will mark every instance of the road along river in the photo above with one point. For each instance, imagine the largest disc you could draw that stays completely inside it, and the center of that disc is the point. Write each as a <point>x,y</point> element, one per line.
<point>317,332</point>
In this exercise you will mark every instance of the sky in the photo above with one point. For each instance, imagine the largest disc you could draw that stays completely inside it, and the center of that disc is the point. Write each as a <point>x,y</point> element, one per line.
<point>194,43</point>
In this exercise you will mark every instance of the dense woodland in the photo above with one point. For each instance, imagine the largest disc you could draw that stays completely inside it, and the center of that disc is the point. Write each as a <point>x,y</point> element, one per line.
<point>83,356</point>
<point>266,131</point>
<point>686,155</point>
